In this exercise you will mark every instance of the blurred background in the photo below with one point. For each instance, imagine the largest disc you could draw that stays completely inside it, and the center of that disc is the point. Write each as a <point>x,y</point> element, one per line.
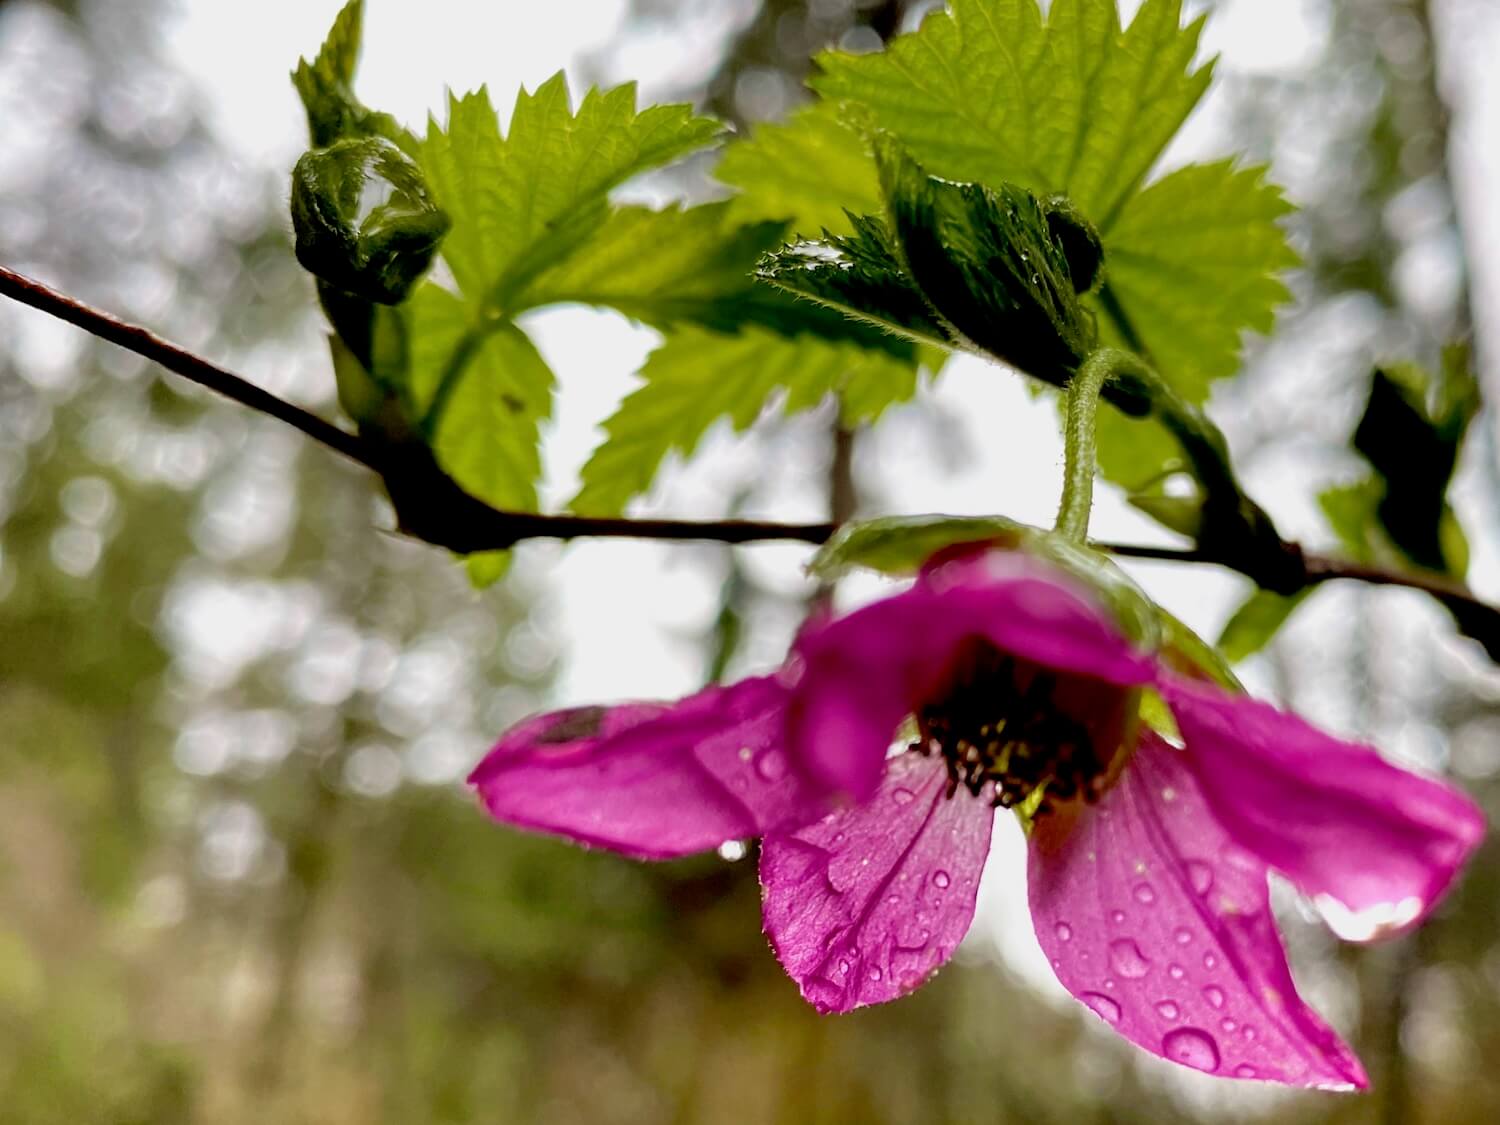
<point>239,877</point>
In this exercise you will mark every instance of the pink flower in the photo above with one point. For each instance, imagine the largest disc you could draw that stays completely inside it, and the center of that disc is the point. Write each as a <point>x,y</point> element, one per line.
<point>1148,860</point>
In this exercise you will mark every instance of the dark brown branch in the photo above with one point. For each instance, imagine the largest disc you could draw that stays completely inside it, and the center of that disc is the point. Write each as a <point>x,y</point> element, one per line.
<point>432,508</point>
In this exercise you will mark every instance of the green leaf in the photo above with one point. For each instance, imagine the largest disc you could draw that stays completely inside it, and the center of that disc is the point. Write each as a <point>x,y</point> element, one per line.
<point>520,202</point>
<point>484,391</point>
<point>1192,262</point>
<point>698,377</point>
<point>1256,622</point>
<point>861,276</point>
<point>1411,431</point>
<point>809,171</point>
<point>988,92</point>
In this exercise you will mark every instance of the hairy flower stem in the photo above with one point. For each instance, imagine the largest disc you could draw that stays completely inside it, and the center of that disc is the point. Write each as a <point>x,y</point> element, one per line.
<point>1080,438</point>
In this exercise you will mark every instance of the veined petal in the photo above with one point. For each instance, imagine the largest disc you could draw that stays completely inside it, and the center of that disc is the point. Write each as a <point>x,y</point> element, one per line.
<point>652,780</point>
<point>868,903</point>
<point>1154,919</point>
<point>1373,845</point>
<point>856,677</point>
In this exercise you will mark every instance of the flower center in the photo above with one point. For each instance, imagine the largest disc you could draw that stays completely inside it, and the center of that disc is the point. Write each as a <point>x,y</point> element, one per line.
<point>1039,738</point>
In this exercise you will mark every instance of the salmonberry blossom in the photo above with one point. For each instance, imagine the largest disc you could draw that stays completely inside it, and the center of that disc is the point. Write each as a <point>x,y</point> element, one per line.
<point>1002,682</point>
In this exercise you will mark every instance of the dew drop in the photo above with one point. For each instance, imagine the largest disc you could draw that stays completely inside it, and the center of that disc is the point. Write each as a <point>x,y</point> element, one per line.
<point>1229,1025</point>
<point>1183,935</point>
<point>1245,1070</point>
<point>1117,916</point>
<point>1102,1006</point>
<point>875,973</point>
<point>1125,958</point>
<point>1214,995</point>
<point>1248,1033</point>
<point>1144,893</point>
<point>941,880</point>
<point>746,753</point>
<point>1168,1010</point>
<point>1176,972</point>
<point>843,965</point>
<point>1109,983</point>
<point>1064,932</point>
<point>771,766</point>
<point>1200,876</point>
<point>903,796</point>
<point>1210,962</point>
<point>1191,1047</point>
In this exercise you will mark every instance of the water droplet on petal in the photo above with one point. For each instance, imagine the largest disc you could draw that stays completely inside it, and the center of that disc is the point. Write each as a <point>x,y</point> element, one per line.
<point>1245,1070</point>
<point>941,880</point>
<point>875,973</point>
<point>1214,995</point>
<point>1168,1010</point>
<point>1125,958</point>
<point>771,766</point>
<point>1176,972</point>
<point>1117,916</point>
<point>843,964</point>
<point>1191,1047</point>
<point>1228,1025</point>
<point>1200,876</point>
<point>1064,932</point>
<point>1248,1033</point>
<point>1102,1006</point>
<point>1144,893</point>
<point>1183,935</point>
<point>903,796</point>
<point>1210,962</point>
<point>746,753</point>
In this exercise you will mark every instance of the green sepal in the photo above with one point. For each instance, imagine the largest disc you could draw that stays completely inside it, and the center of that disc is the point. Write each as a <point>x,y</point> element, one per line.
<point>900,545</point>
<point>1253,625</point>
<point>364,219</point>
<point>989,263</point>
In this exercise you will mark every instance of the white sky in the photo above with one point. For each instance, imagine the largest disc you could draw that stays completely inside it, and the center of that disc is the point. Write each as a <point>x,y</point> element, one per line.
<point>629,612</point>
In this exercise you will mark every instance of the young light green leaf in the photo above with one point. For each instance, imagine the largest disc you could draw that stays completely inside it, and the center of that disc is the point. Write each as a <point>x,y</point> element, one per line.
<point>484,393</point>
<point>698,377</point>
<point>809,171</point>
<point>1256,622</point>
<point>520,201</point>
<point>861,276</point>
<point>1191,263</point>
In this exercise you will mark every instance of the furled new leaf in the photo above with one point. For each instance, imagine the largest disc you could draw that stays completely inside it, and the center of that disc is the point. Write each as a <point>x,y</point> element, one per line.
<point>860,275</point>
<point>698,377</point>
<point>326,86</point>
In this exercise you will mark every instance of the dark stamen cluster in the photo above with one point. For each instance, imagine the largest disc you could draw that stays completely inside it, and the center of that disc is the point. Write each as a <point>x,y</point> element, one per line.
<point>999,724</point>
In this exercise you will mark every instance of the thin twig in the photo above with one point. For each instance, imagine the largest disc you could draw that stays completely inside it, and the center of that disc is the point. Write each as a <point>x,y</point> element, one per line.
<point>476,526</point>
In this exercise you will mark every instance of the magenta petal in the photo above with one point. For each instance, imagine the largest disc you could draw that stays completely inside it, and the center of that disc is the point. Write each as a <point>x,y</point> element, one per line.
<point>858,676</point>
<point>1375,846</point>
<point>865,905</point>
<point>1154,919</point>
<point>652,780</point>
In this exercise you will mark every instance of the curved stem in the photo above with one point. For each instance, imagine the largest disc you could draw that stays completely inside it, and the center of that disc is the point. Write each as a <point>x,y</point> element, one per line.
<point>1080,439</point>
